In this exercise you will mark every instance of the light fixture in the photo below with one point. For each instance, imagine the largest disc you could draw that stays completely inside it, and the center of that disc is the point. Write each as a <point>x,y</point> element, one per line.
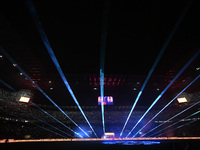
<point>182,100</point>
<point>24,99</point>
<point>24,96</point>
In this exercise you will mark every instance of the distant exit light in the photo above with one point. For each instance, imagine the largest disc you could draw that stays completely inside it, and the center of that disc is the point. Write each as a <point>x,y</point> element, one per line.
<point>107,100</point>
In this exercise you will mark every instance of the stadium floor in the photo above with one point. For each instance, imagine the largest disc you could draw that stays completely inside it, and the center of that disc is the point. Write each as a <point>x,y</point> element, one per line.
<point>191,144</point>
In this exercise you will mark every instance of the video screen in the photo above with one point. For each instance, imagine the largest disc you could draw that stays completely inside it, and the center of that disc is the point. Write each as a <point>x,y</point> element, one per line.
<point>107,100</point>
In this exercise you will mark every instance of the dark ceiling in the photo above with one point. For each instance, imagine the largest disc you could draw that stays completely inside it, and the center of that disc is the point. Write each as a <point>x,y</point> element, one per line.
<point>136,32</point>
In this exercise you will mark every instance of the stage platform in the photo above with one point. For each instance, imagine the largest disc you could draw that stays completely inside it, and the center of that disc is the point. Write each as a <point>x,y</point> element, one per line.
<point>164,143</point>
<point>99,139</point>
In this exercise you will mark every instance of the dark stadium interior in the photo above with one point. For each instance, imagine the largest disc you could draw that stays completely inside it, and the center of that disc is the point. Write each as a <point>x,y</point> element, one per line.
<point>136,33</point>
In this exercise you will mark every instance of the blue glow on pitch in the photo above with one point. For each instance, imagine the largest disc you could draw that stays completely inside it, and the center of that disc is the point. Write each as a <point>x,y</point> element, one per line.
<point>111,142</point>
<point>156,100</point>
<point>131,142</point>
<point>54,59</point>
<point>140,142</point>
<point>168,104</point>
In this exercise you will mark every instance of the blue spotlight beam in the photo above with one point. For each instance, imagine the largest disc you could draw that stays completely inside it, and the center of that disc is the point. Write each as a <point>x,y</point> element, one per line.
<point>167,104</point>
<point>173,117</point>
<point>156,61</point>
<point>102,95</point>
<point>51,125</point>
<point>42,127</point>
<point>45,113</point>
<point>7,85</point>
<point>179,126</point>
<point>54,59</point>
<point>102,54</point>
<point>46,129</point>
<point>48,123</point>
<point>166,88</point>
<point>175,123</point>
<point>54,118</point>
<point>26,75</point>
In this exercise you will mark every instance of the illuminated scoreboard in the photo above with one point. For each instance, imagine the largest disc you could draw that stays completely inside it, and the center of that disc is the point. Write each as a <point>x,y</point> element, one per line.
<point>107,100</point>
